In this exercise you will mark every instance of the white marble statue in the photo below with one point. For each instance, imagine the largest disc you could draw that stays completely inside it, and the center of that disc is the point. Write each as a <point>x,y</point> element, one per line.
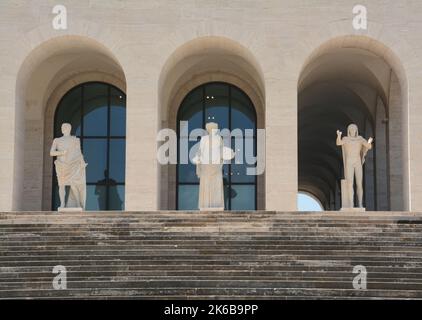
<point>209,162</point>
<point>70,168</point>
<point>354,149</point>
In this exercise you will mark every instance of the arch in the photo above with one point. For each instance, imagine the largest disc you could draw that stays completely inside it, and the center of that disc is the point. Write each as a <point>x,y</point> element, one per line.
<point>97,112</point>
<point>49,68</point>
<point>350,79</point>
<point>231,108</point>
<point>201,60</point>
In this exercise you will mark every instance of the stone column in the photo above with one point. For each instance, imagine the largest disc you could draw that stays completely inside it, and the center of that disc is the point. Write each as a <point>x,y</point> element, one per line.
<point>33,164</point>
<point>141,146</point>
<point>381,157</point>
<point>281,145</point>
<point>11,143</point>
<point>395,146</point>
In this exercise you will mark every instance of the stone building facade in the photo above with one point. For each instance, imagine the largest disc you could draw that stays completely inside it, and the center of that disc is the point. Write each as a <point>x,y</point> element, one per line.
<point>303,65</point>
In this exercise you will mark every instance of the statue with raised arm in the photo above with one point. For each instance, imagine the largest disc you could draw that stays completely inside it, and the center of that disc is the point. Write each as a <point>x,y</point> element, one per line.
<point>70,169</point>
<point>209,162</point>
<point>354,149</point>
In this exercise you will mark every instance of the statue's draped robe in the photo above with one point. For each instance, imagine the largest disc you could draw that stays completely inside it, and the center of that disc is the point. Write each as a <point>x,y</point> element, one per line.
<point>210,172</point>
<point>70,168</point>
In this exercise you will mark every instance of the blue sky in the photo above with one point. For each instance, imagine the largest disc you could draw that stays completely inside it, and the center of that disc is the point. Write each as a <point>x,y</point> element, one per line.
<point>307,203</point>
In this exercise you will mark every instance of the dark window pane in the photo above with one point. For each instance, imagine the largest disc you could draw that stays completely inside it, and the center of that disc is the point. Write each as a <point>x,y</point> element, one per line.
<point>56,200</point>
<point>187,172</point>
<point>225,173</point>
<point>217,104</point>
<point>240,162</point>
<point>95,109</point>
<point>96,197</point>
<point>243,197</point>
<point>117,160</point>
<point>226,197</point>
<point>69,111</point>
<point>117,113</point>
<point>188,197</point>
<point>95,154</point>
<point>116,197</point>
<point>243,112</point>
<point>191,110</point>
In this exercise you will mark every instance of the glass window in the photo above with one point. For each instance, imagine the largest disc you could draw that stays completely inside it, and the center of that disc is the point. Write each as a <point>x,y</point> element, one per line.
<point>217,104</point>
<point>192,111</point>
<point>188,197</point>
<point>243,112</point>
<point>69,112</point>
<point>242,197</point>
<point>95,154</point>
<point>95,108</point>
<point>231,108</point>
<point>117,113</point>
<point>116,197</point>
<point>117,160</point>
<point>187,172</point>
<point>97,112</point>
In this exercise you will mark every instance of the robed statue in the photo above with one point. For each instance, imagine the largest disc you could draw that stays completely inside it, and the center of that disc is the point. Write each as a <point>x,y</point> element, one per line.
<point>209,161</point>
<point>354,149</point>
<point>70,169</point>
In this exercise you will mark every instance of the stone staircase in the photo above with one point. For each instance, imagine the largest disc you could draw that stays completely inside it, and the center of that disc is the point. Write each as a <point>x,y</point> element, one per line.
<point>226,255</point>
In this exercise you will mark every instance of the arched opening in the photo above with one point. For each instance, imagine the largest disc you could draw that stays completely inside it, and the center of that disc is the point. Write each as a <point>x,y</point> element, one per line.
<point>47,74</point>
<point>344,84</point>
<point>308,202</point>
<point>231,109</point>
<point>97,113</point>
<point>195,63</point>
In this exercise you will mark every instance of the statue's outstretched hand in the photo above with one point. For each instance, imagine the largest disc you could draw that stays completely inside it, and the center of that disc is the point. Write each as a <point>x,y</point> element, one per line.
<point>339,133</point>
<point>370,140</point>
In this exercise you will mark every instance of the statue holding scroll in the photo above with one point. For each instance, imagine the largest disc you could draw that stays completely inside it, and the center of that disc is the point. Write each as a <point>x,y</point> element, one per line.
<point>354,149</point>
<point>70,168</point>
<point>209,162</point>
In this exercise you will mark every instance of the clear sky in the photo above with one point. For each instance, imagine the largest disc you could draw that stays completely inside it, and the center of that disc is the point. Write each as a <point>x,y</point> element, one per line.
<point>307,203</point>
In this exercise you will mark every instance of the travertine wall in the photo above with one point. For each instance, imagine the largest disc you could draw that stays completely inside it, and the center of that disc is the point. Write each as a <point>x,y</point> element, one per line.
<point>138,39</point>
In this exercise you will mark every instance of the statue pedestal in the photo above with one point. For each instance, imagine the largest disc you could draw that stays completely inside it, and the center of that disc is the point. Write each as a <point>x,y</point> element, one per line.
<point>75,209</point>
<point>353,209</point>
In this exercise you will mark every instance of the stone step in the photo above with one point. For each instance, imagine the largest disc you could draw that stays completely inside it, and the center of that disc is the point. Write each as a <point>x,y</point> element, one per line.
<point>212,272</point>
<point>210,293</point>
<point>83,222</point>
<point>184,263</point>
<point>190,283</point>
<point>416,254</point>
<point>133,267</point>
<point>270,230</point>
<point>215,235</point>
<point>47,252</point>
<point>147,228</point>
<point>111,247</point>
<point>223,240</point>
